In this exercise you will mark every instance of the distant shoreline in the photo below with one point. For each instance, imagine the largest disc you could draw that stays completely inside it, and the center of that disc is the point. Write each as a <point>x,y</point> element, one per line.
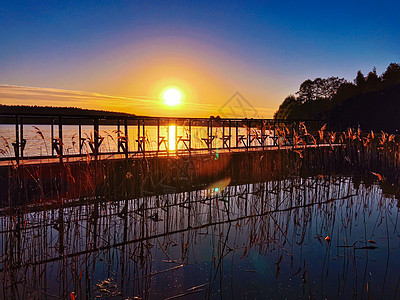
<point>64,111</point>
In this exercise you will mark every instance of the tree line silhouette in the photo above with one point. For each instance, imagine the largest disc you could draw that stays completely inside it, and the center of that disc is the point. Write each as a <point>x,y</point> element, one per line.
<point>371,102</point>
<point>53,110</point>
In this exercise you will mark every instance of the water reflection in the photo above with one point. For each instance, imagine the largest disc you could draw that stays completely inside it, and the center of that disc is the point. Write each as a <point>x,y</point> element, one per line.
<point>171,137</point>
<point>264,240</point>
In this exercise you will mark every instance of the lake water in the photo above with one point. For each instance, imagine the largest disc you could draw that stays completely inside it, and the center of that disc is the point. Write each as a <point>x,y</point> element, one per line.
<point>263,240</point>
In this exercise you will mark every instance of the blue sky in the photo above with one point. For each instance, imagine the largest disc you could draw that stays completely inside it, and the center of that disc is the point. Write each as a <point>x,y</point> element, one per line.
<point>264,49</point>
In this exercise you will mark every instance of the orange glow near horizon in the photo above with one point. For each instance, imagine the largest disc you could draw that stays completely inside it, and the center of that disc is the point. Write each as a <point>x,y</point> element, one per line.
<point>132,78</point>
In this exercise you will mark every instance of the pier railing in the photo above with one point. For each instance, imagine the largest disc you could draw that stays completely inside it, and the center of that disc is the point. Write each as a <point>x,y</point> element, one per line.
<point>46,136</point>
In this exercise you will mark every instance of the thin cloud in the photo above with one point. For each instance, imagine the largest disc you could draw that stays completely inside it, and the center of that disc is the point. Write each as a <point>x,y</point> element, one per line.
<point>140,105</point>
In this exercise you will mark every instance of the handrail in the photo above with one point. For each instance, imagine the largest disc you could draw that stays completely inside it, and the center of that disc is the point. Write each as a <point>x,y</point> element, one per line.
<point>219,133</point>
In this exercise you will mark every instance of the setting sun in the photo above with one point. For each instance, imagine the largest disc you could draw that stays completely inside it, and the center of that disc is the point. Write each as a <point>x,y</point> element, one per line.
<point>172,97</point>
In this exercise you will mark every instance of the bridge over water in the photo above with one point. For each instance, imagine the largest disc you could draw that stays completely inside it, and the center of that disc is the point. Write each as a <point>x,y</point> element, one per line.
<point>32,137</point>
<point>69,157</point>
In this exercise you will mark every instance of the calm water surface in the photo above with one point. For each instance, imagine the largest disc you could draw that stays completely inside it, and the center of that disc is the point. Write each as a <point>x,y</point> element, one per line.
<point>264,240</point>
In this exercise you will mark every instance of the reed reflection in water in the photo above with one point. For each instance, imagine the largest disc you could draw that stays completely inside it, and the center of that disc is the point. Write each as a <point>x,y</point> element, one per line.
<point>257,240</point>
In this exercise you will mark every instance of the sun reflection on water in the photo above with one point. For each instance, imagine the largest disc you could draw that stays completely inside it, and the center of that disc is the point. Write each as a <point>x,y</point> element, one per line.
<point>171,137</point>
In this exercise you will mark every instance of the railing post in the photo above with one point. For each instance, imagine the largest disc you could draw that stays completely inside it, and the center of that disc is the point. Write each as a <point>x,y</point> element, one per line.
<point>262,133</point>
<point>60,136</point>
<point>223,134</point>
<point>80,136</point>
<point>168,141</point>
<point>190,137</point>
<point>211,137</point>
<point>237,134</point>
<point>52,136</point>
<point>138,135</point>
<point>126,138</point>
<point>144,137</point>
<point>158,136</point>
<point>208,132</point>
<point>22,142</point>
<point>96,137</point>
<point>118,135</point>
<point>248,134</point>
<point>16,145</point>
<point>230,134</point>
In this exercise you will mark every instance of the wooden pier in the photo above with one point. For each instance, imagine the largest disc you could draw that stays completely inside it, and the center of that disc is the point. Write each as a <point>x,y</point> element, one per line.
<point>149,154</point>
<point>170,136</point>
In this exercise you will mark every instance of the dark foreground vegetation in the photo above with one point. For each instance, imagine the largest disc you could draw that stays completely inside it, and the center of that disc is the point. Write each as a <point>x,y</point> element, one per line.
<point>309,154</point>
<point>372,102</point>
<point>318,222</point>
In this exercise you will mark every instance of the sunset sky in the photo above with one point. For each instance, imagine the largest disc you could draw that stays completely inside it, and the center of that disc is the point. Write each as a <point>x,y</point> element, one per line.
<point>121,55</point>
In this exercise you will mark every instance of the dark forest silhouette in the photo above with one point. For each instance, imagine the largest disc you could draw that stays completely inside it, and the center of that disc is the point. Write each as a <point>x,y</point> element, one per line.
<point>64,111</point>
<point>371,102</point>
